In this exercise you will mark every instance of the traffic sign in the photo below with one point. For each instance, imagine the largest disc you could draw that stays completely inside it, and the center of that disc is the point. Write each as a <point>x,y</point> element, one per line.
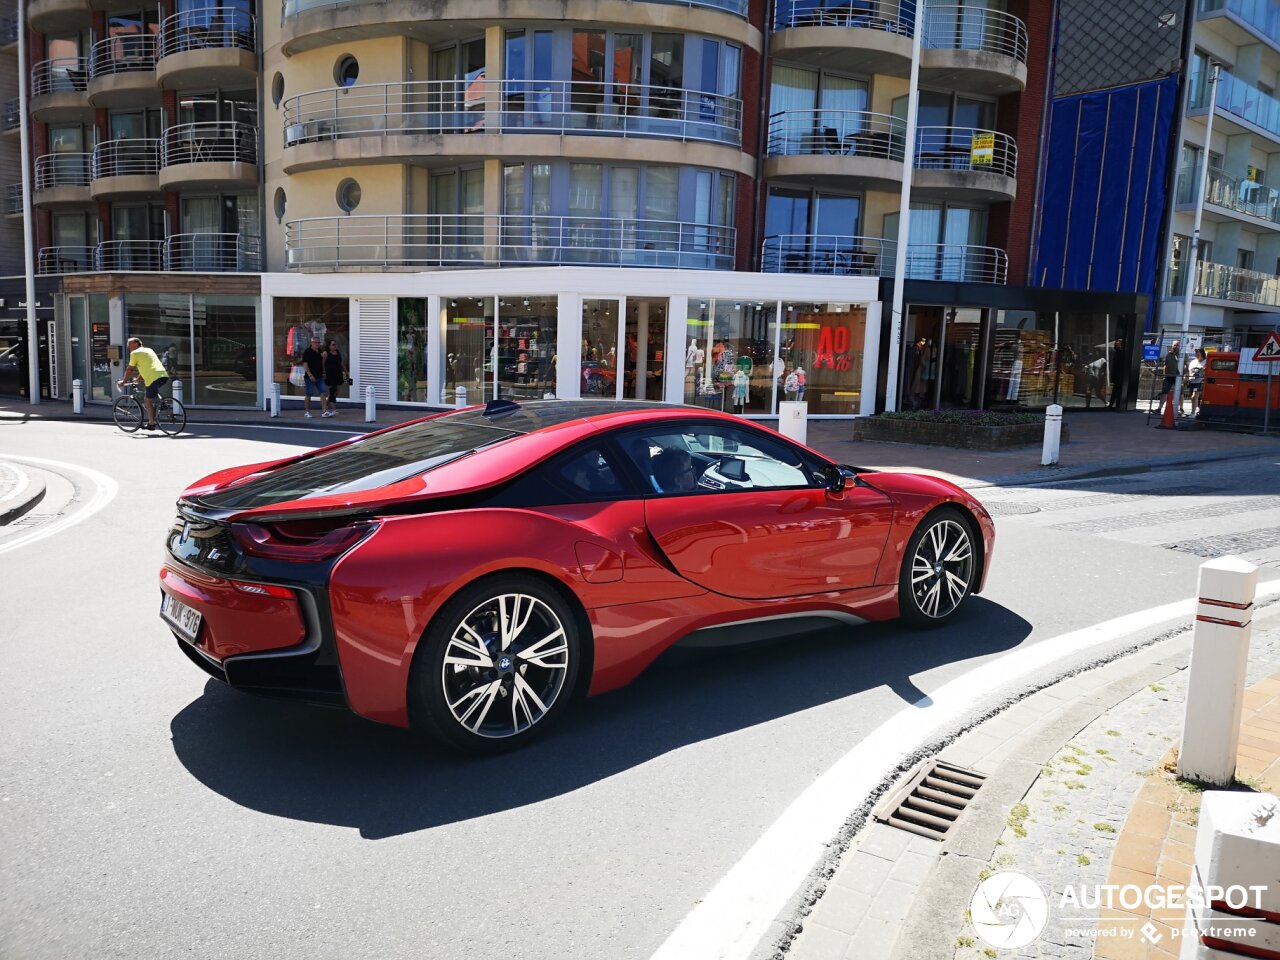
<point>1270,349</point>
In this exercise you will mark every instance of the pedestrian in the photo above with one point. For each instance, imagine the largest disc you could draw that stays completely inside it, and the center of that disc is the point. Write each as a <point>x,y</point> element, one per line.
<point>335,375</point>
<point>1195,379</point>
<point>313,375</point>
<point>1172,366</point>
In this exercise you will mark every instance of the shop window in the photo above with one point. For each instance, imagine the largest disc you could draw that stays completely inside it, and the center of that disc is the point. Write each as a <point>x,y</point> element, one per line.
<point>468,347</point>
<point>729,362</point>
<point>411,351</point>
<point>526,347</point>
<point>298,319</point>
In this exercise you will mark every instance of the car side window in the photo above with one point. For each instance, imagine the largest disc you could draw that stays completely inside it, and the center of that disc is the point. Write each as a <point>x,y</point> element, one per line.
<point>589,475</point>
<point>715,458</point>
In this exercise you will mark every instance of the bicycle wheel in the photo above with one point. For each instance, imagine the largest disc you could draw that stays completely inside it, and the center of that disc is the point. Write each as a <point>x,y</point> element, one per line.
<point>171,416</point>
<point>127,413</point>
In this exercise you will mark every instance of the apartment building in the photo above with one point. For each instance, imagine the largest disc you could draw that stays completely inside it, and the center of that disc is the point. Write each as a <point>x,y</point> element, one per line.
<point>1236,294</point>
<point>694,201</point>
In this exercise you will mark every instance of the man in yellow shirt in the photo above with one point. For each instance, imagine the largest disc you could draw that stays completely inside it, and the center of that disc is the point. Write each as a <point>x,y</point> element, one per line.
<point>147,367</point>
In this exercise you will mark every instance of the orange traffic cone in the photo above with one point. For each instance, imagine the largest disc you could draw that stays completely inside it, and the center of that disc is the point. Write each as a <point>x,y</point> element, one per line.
<point>1166,421</point>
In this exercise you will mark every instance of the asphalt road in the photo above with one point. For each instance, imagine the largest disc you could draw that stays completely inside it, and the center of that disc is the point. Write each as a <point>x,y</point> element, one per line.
<point>149,812</point>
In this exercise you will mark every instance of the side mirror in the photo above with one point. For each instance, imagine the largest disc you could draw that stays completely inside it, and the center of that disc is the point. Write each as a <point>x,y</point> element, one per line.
<point>838,479</point>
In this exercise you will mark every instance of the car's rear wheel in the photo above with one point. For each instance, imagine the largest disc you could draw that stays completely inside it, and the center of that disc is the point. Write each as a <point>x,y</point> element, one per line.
<point>497,666</point>
<point>938,569</point>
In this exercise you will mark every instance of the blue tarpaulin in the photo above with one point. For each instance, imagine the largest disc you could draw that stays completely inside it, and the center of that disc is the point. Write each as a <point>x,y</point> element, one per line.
<point>1104,188</point>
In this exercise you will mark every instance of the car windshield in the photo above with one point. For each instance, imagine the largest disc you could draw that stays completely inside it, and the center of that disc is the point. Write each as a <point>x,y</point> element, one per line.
<point>366,464</point>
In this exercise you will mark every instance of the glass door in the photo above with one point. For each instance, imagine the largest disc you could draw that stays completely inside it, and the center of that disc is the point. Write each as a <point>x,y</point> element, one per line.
<point>601,346</point>
<point>644,349</point>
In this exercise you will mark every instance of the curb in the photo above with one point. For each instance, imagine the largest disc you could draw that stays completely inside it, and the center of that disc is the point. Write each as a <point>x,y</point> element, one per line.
<point>29,492</point>
<point>1117,469</point>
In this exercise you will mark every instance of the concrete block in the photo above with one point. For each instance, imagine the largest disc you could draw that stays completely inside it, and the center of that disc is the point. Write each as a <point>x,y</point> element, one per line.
<point>1238,843</point>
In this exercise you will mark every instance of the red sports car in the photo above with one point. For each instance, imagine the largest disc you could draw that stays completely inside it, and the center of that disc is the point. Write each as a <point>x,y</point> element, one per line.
<point>471,574</point>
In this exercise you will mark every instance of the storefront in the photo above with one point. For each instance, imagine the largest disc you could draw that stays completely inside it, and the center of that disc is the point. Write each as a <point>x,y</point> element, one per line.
<point>737,342</point>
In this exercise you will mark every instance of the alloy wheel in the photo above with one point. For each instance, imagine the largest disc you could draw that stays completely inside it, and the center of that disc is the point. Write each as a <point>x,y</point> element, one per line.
<point>942,569</point>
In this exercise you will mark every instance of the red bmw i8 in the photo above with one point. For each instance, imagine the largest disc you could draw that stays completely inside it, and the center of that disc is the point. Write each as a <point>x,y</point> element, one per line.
<point>473,573</point>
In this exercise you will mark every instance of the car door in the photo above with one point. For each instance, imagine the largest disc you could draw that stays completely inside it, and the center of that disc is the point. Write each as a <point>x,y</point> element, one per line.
<point>754,520</point>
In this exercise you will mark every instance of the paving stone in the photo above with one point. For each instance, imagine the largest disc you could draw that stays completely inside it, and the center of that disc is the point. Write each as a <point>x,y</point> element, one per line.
<point>841,909</point>
<point>885,842</point>
<point>892,901</point>
<point>863,872</point>
<point>874,938</point>
<point>913,867</point>
<point>817,942</point>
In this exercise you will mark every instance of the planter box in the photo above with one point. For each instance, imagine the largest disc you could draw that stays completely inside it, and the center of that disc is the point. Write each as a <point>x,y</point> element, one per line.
<point>892,430</point>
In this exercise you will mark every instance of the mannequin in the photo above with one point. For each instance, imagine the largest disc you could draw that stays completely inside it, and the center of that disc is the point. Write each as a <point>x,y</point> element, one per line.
<point>741,383</point>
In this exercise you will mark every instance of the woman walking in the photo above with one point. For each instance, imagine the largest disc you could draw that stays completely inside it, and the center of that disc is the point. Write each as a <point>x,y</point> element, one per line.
<point>335,376</point>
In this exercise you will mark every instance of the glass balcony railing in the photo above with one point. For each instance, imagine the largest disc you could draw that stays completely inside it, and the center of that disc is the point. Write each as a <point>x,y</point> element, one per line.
<point>462,240</point>
<point>1262,15</point>
<point>292,8</point>
<point>1233,193</point>
<point>872,256</point>
<point>62,170</point>
<point>1220,281</point>
<point>516,106</point>
<point>850,133</point>
<point>1240,99</point>
<point>888,15</point>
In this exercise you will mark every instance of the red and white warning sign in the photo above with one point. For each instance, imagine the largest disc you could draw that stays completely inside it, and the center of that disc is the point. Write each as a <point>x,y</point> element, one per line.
<point>1270,349</point>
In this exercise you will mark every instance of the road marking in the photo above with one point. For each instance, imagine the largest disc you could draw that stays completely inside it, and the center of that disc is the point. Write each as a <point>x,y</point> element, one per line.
<point>260,426</point>
<point>730,921</point>
<point>105,490</point>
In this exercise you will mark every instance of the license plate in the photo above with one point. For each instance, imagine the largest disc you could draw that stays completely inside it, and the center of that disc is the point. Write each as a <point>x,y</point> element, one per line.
<point>179,616</point>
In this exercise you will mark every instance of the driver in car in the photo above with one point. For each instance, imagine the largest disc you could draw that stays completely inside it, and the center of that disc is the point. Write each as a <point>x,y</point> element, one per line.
<point>673,470</point>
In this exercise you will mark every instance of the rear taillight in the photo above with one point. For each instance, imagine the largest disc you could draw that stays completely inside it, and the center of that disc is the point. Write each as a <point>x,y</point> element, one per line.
<point>300,541</point>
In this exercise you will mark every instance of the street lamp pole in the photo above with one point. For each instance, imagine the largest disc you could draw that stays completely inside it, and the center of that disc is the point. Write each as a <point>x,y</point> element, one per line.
<point>1193,255</point>
<point>904,217</point>
<point>24,128</point>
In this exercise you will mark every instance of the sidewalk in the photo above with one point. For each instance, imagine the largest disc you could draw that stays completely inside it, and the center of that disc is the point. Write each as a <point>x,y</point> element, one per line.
<point>1101,443</point>
<point>19,491</point>
<point>1080,791</point>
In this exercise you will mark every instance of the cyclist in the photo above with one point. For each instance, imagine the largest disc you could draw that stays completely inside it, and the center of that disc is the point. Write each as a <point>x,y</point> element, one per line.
<point>144,365</point>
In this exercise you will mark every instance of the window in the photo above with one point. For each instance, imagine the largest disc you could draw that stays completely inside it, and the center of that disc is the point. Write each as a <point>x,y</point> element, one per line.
<point>346,71</point>
<point>280,202</point>
<point>702,459</point>
<point>348,195</point>
<point>1244,259</point>
<point>277,88</point>
<point>588,475</point>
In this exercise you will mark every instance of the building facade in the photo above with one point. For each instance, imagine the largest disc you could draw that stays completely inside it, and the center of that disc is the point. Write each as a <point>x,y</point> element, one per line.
<point>693,201</point>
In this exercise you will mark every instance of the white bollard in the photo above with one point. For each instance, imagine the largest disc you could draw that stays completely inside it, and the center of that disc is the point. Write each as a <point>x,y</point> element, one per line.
<point>77,397</point>
<point>1052,434</point>
<point>275,400</point>
<point>1215,680</point>
<point>177,389</point>
<point>1236,849</point>
<point>370,405</point>
<point>793,420</point>
<point>461,397</point>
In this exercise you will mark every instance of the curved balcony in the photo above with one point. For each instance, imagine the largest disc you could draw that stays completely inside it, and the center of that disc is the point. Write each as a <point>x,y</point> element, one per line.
<point>220,154</point>
<point>59,90</point>
<point>309,24</point>
<point>476,240</point>
<point>114,255</point>
<point>870,36</point>
<point>212,253</point>
<point>965,162</point>
<point>57,16</point>
<point>832,146</point>
<point>65,260</point>
<point>973,49</point>
<point>208,46</point>
<point>13,200</point>
<point>873,256</point>
<point>126,168</point>
<point>11,121</point>
<point>122,71</point>
<point>61,179</point>
<point>416,121</point>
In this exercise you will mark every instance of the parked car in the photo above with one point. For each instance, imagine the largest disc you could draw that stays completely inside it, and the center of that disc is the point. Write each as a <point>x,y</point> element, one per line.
<point>474,573</point>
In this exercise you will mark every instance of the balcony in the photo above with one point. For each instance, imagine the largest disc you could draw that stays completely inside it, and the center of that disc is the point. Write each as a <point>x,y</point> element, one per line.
<point>438,121</point>
<point>212,253</point>
<point>955,162</point>
<point>222,155</point>
<point>113,255</point>
<point>212,46</point>
<point>122,71</point>
<point>477,240</point>
<point>64,260</point>
<point>57,16</point>
<point>61,179</point>
<point>1244,107</point>
<point>310,24</point>
<point>12,119</point>
<point>1234,285</point>
<point>13,200</point>
<point>124,168</point>
<point>973,49</point>
<point>873,256</point>
<point>1236,194</point>
<point>831,146</point>
<point>1250,19</point>
<point>870,36</point>
<point>59,91</point>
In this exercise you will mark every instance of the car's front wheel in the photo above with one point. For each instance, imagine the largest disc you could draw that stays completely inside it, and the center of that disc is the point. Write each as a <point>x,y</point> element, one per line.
<point>497,666</point>
<point>938,569</point>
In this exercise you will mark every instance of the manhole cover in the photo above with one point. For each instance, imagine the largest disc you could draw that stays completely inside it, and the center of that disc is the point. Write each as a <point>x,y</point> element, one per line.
<point>1006,508</point>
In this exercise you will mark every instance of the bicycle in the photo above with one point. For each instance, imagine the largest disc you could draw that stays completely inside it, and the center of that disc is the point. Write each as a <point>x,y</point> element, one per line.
<point>129,414</point>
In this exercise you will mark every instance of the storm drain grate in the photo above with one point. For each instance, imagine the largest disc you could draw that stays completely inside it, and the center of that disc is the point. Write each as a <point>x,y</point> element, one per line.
<point>930,800</point>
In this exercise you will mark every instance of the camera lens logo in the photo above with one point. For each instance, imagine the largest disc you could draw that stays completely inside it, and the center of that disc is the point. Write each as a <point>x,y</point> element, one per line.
<point>1009,910</point>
